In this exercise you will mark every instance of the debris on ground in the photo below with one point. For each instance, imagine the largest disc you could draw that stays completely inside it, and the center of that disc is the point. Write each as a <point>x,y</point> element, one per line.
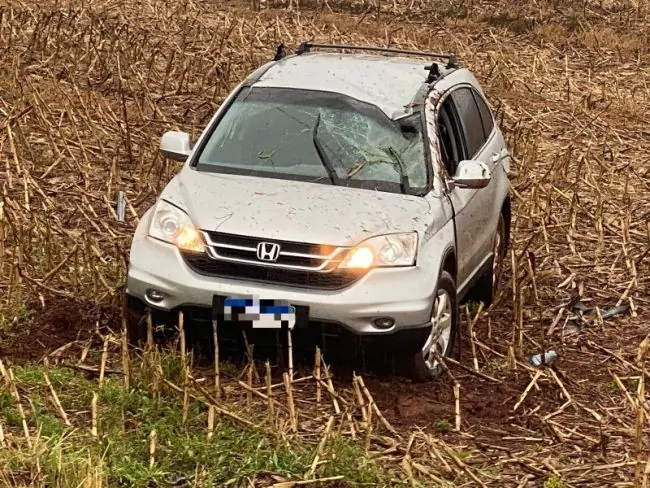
<point>546,358</point>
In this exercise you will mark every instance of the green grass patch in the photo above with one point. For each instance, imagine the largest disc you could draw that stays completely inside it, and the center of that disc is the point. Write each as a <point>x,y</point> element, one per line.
<point>15,313</point>
<point>120,454</point>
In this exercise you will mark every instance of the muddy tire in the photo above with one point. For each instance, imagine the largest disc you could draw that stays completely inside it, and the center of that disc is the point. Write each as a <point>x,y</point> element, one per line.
<point>423,366</point>
<point>136,324</point>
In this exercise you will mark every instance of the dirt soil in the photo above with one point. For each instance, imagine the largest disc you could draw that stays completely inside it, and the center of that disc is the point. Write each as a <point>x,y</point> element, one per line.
<point>54,323</point>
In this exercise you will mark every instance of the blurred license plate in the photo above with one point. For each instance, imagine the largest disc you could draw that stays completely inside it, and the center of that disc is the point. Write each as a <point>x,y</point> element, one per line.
<point>260,313</point>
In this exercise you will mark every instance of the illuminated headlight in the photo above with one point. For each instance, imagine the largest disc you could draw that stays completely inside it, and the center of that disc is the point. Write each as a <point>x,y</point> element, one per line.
<point>383,251</point>
<point>172,225</point>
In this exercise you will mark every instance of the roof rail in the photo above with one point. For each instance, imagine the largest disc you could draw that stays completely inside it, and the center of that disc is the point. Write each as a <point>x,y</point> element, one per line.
<point>280,52</point>
<point>306,47</point>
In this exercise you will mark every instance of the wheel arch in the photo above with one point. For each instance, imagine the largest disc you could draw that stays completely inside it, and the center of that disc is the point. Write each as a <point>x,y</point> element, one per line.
<point>450,264</point>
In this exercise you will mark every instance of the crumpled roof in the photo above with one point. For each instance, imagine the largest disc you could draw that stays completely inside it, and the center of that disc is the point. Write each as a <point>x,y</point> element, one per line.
<point>389,82</point>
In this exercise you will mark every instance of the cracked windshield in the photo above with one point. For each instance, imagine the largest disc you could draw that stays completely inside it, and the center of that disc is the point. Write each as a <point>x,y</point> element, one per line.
<point>317,137</point>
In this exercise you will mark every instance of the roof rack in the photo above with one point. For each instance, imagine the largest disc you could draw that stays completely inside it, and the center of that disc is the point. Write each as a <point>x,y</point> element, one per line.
<point>306,47</point>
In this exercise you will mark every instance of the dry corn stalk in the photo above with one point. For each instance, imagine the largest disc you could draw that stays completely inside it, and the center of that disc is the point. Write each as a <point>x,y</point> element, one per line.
<point>293,418</point>
<point>55,397</point>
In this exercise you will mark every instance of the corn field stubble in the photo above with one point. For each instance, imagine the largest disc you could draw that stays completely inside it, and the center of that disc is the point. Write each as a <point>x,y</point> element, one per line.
<point>86,90</point>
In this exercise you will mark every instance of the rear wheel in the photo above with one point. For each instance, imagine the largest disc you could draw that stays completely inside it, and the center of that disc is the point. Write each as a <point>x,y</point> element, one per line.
<point>424,365</point>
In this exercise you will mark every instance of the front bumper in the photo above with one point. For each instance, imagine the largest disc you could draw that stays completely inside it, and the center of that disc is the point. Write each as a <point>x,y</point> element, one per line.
<point>403,294</point>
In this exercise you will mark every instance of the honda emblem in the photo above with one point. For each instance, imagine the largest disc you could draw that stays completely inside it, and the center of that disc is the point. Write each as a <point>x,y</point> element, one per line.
<point>268,251</point>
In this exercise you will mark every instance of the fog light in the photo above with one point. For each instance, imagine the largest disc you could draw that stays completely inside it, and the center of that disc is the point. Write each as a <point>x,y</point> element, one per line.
<point>384,322</point>
<point>154,296</point>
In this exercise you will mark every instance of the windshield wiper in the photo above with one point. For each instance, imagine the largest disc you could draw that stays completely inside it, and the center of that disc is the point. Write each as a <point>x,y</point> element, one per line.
<point>322,154</point>
<point>403,177</point>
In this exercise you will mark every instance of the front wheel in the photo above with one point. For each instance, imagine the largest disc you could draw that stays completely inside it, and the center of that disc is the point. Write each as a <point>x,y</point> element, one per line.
<point>136,322</point>
<point>424,365</point>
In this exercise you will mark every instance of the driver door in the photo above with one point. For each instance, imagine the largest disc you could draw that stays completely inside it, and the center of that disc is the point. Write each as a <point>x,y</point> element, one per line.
<point>462,137</point>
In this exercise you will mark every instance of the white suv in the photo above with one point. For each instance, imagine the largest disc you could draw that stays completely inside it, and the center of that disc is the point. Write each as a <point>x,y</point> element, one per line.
<point>369,192</point>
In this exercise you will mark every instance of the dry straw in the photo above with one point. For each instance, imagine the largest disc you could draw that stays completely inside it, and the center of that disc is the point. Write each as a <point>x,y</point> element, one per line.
<point>80,122</point>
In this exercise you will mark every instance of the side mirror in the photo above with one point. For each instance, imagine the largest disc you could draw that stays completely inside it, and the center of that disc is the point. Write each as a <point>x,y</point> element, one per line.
<point>176,145</point>
<point>472,174</point>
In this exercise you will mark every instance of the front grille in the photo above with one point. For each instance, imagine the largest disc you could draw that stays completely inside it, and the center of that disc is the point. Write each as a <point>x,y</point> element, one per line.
<point>294,255</point>
<point>288,246</point>
<point>290,260</point>
<point>207,266</point>
<point>296,264</point>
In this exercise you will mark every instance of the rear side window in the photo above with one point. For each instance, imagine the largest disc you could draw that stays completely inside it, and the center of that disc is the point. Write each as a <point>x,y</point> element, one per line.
<point>471,120</point>
<point>486,115</point>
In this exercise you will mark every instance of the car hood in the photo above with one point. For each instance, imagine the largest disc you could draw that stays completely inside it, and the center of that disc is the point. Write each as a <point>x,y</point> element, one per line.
<point>294,210</point>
